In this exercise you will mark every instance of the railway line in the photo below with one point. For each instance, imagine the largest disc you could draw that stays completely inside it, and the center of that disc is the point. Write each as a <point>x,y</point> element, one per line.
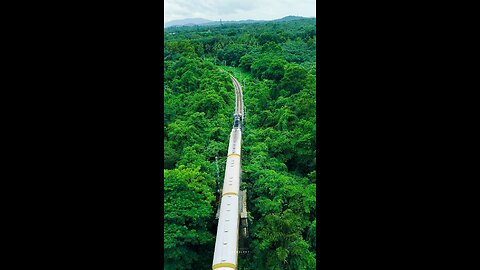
<point>238,97</point>
<point>232,199</point>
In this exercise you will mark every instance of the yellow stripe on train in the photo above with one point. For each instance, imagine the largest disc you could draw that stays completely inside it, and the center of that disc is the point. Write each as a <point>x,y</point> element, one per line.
<point>229,193</point>
<point>219,265</point>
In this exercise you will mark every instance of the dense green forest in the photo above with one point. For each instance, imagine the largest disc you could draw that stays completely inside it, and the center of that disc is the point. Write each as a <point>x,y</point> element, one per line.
<point>276,63</point>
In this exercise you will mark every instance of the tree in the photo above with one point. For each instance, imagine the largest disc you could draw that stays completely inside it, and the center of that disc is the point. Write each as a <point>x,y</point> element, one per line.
<point>188,199</point>
<point>170,155</point>
<point>231,54</point>
<point>275,70</point>
<point>246,62</point>
<point>280,244</point>
<point>209,102</point>
<point>294,79</point>
<point>268,37</point>
<point>189,82</point>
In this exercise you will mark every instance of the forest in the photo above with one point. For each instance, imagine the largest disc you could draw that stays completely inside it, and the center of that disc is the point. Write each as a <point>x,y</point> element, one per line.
<point>276,64</point>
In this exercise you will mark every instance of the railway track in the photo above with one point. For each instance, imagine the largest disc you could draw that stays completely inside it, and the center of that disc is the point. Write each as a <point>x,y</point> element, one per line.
<point>239,109</point>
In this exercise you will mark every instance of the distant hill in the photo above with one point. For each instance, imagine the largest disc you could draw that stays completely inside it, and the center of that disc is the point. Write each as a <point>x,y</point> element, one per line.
<point>232,22</point>
<point>186,22</point>
<point>200,21</point>
<point>289,18</point>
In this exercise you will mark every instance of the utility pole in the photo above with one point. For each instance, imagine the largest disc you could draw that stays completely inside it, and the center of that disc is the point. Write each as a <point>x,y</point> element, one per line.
<point>216,163</point>
<point>218,193</point>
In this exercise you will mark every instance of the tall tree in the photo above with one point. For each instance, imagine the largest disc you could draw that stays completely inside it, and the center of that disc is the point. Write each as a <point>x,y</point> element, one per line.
<point>188,199</point>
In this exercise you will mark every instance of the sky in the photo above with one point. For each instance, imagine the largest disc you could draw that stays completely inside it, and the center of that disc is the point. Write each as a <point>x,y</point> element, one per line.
<point>235,10</point>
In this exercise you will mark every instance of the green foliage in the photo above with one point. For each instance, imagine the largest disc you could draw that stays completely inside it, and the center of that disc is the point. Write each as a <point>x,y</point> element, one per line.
<point>188,200</point>
<point>231,54</point>
<point>280,245</point>
<point>297,51</point>
<point>294,79</point>
<point>269,37</point>
<point>246,62</point>
<point>276,61</point>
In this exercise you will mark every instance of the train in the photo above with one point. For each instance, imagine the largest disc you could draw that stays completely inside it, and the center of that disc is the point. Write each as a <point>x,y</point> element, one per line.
<point>226,243</point>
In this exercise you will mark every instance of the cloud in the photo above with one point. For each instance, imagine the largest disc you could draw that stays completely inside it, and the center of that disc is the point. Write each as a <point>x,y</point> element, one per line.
<point>237,9</point>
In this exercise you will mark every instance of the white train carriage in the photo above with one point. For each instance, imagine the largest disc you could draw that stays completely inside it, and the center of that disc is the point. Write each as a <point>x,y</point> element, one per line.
<point>226,244</point>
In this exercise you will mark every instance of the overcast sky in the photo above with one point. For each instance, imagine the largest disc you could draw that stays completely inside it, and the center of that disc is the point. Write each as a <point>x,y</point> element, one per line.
<point>234,10</point>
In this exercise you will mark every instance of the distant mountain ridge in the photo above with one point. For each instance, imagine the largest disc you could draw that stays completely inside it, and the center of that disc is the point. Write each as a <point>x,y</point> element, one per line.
<point>187,22</point>
<point>201,21</point>
<point>289,18</point>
